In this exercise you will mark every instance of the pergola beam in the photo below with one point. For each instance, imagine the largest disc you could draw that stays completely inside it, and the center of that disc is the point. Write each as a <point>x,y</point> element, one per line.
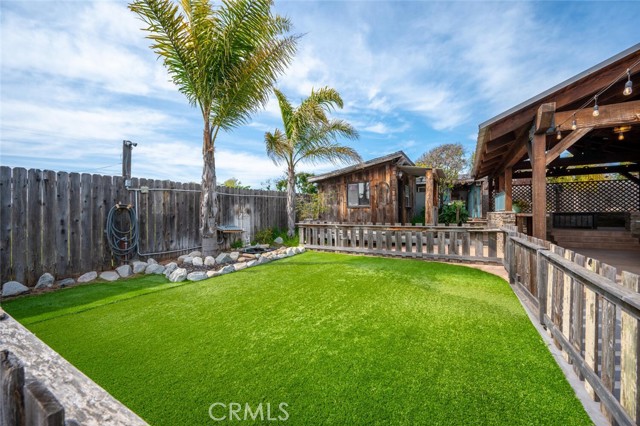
<point>610,115</point>
<point>581,171</point>
<point>565,143</point>
<point>544,118</point>
<point>539,186</point>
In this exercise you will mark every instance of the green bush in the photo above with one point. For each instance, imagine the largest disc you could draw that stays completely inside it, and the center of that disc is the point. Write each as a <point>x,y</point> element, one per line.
<point>419,218</point>
<point>449,211</point>
<point>264,236</point>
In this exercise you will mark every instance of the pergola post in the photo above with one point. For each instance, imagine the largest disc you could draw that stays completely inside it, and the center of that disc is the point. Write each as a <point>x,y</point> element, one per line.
<point>428,198</point>
<point>539,186</point>
<point>508,200</point>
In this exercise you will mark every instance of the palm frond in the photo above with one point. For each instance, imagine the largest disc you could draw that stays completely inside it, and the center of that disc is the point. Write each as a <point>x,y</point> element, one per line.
<point>278,148</point>
<point>333,152</point>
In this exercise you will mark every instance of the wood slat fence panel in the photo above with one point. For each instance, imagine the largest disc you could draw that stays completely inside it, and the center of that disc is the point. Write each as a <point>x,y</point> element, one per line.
<point>55,222</point>
<point>425,242</point>
<point>592,312</point>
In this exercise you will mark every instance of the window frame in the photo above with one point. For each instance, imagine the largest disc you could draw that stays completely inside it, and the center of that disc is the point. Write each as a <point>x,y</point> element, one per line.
<point>367,191</point>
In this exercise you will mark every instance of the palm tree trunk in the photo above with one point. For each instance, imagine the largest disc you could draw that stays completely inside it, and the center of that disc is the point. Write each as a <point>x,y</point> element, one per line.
<point>291,202</point>
<point>209,196</point>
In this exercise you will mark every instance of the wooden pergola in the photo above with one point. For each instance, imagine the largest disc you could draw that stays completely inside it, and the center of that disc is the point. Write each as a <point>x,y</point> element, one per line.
<point>527,141</point>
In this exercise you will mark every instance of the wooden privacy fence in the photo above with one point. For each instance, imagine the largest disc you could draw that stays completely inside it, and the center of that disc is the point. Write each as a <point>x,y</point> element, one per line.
<point>593,315</point>
<point>55,221</point>
<point>26,402</point>
<point>428,242</point>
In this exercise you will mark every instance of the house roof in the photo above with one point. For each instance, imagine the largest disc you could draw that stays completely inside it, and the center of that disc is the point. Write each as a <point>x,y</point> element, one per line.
<point>399,155</point>
<point>501,138</point>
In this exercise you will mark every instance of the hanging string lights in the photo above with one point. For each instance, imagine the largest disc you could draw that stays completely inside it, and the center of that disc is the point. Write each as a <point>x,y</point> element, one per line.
<point>628,90</point>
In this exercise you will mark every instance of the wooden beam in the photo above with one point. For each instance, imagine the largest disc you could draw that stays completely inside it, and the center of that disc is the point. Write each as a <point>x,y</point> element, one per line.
<point>565,143</point>
<point>581,171</point>
<point>610,115</point>
<point>508,194</point>
<point>579,89</point>
<point>428,198</point>
<point>544,117</point>
<point>516,152</point>
<point>631,177</point>
<point>539,187</point>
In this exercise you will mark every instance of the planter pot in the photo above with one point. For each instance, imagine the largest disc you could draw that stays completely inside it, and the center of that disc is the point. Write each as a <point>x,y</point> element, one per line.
<point>516,209</point>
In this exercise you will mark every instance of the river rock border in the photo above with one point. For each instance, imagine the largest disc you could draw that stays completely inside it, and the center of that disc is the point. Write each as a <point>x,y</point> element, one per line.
<point>176,271</point>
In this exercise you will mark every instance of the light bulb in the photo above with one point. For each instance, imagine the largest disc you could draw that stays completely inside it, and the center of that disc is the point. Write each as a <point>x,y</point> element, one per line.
<point>595,110</point>
<point>628,88</point>
<point>559,135</point>
<point>620,136</point>
<point>574,124</point>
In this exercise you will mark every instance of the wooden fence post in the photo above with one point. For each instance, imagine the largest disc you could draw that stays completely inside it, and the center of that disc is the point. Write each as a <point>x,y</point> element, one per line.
<point>11,389</point>
<point>629,356</point>
<point>41,408</point>
<point>541,278</point>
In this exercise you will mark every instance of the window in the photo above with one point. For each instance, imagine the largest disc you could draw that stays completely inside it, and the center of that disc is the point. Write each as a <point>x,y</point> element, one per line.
<point>407,196</point>
<point>358,194</point>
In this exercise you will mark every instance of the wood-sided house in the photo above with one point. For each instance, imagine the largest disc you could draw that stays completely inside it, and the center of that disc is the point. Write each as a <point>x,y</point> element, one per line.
<point>381,190</point>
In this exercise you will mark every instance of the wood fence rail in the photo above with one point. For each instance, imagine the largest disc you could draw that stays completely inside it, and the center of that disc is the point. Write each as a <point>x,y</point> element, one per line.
<point>593,315</point>
<point>425,242</point>
<point>55,221</point>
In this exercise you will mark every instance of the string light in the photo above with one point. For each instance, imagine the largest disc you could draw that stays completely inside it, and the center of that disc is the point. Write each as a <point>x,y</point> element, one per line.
<point>621,136</point>
<point>559,134</point>
<point>628,87</point>
<point>574,123</point>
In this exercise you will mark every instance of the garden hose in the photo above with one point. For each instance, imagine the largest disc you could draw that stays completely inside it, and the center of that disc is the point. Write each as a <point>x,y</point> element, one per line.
<point>122,242</point>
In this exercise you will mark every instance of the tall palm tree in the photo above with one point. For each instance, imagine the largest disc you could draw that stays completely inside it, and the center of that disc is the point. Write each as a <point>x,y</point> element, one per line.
<point>309,136</point>
<point>225,59</point>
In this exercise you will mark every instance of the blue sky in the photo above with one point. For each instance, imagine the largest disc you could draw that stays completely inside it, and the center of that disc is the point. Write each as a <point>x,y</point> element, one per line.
<point>77,78</point>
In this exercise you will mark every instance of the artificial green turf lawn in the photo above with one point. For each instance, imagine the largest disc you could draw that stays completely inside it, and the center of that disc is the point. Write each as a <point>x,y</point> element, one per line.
<point>341,339</point>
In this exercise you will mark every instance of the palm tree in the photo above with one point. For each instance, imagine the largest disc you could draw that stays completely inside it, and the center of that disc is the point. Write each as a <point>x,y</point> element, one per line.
<point>225,59</point>
<point>309,136</point>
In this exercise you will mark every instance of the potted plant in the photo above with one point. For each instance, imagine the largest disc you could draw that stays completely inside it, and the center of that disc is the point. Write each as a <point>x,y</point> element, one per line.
<point>520,205</point>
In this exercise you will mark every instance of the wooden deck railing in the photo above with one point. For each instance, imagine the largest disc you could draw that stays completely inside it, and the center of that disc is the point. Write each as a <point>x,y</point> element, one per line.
<point>428,242</point>
<point>593,315</point>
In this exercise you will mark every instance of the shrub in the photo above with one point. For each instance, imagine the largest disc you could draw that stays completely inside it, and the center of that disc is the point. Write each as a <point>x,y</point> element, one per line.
<point>310,206</point>
<point>264,236</point>
<point>453,212</point>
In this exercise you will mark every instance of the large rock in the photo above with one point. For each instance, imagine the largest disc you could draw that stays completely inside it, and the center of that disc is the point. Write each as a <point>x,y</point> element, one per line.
<point>180,274</point>
<point>66,282</point>
<point>197,261</point>
<point>154,269</point>
<point>212,273</point>
<point>88,277</point>
<point>139,267</point>
<point>45,281</point>
<point>124,271</point>
<point>234,255</point>
<point>169,268</point>
<point>223,258</point>
<point>264,246</point>
<point>227,269</point>
<point>290,251</point>
<point>263,259</point>
<point>187,260</point>
<point>197,276</point>
<point>181,258</point>
<point>13,288</point>
<point>109,275</point>
<point>151,261</point>
<point>209,261</point>
<point>239,266</point>
<point>195,254</point>
<point>279,240</point>
<point>251,263</point>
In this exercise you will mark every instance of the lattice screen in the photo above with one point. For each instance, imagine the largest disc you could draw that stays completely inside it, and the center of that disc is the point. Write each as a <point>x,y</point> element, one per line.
<point>575,197</point>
